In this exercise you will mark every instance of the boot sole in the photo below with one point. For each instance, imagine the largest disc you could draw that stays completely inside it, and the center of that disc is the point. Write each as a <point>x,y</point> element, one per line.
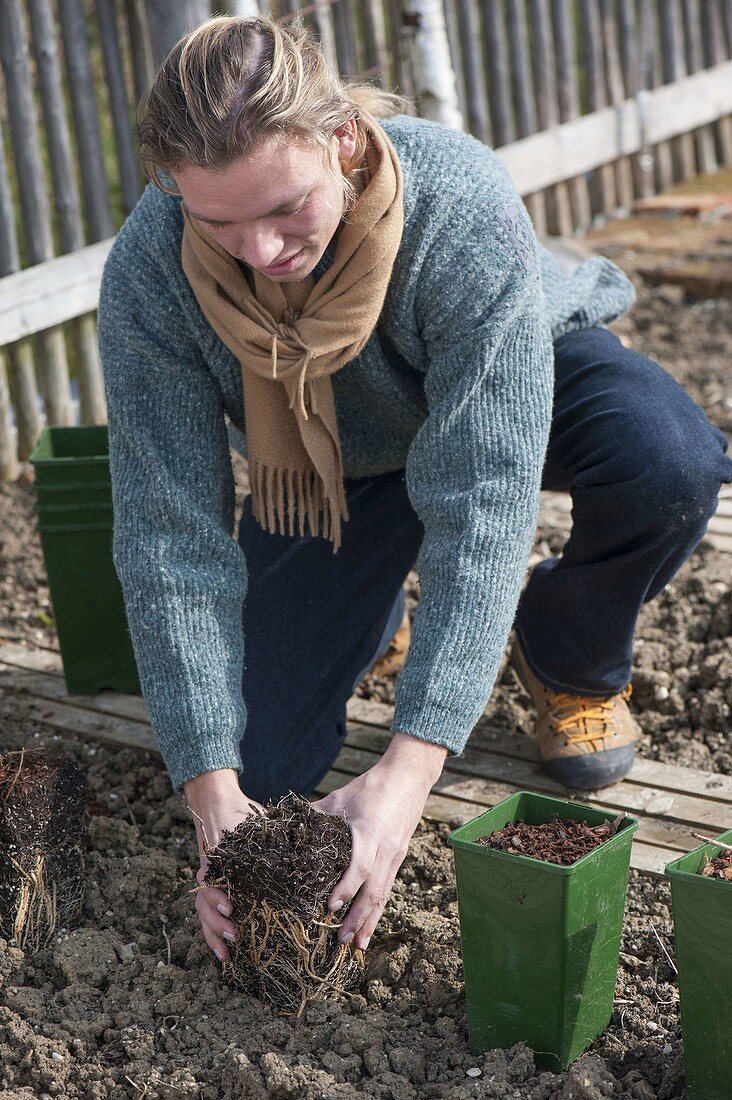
<point>592,770</point>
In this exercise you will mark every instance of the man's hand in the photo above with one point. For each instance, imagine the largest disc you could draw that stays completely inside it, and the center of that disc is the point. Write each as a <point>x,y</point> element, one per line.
<point>383,807</point>
<point>220,803</point>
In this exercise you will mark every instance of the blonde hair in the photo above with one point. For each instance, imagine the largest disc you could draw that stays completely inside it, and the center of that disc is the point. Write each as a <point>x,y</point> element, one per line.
<point>234,82</point>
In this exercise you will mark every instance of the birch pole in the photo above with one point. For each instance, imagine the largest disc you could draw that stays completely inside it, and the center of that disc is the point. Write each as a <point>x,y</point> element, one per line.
<point>435,84</point>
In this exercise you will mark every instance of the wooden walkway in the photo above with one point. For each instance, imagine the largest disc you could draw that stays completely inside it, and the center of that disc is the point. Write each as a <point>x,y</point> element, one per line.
<point>669,801</point>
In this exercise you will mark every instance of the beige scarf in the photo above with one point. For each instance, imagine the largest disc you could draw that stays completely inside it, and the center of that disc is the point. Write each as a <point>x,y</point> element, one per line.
<point>290,338</point>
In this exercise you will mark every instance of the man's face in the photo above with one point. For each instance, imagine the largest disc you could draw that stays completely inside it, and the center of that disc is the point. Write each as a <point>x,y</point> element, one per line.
<point>275,209</point>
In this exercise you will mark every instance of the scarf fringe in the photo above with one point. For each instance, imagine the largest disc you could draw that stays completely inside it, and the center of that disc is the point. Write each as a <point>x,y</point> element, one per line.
<point>279,495</point>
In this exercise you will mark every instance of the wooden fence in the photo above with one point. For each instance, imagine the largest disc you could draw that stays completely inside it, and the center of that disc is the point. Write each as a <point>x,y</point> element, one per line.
<point>589,103</point>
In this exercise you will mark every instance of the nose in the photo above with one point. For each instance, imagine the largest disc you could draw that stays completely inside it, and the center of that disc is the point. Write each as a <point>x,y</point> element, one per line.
<point>261,247</point>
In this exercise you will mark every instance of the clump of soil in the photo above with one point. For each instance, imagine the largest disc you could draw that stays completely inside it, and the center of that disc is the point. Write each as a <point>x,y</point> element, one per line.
<point>42,807</point>
<point>278,869</point>
<point>561,840</point>
<point>719,867</point>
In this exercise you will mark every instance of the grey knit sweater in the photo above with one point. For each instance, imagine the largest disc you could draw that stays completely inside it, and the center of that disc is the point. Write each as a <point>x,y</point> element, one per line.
<point>455,385</point>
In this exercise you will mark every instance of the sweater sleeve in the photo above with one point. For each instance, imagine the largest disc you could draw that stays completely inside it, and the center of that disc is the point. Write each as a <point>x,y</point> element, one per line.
<point>474,468</point>
<point>183,576</point>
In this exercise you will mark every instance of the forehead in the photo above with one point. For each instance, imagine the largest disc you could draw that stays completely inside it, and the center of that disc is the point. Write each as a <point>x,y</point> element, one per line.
<point>272,175</point>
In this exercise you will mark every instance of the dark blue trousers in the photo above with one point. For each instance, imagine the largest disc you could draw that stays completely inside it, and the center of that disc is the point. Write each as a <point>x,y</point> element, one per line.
<point>643,466</point>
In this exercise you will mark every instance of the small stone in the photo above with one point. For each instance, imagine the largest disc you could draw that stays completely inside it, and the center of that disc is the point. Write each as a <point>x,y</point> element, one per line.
<point>652,1025</point>
<point>473,1072</point>
<point>126,951</point>
<point>56,1056</point>
<point>661,694</point>
<point>667,1049</point>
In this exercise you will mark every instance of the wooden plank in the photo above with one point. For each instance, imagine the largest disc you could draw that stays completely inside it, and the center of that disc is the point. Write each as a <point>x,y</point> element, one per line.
<point>674,806</point>
<point>569,103</point>
<point>39,672</point>
<point>51,293</point>
<point>579,146</point>
<point>455,799</point>
<point>84,723</point>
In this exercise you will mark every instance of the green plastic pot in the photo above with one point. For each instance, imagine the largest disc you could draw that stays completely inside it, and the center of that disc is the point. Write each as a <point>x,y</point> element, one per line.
<point>75,521</point>
<point>540,941</point>
<point>702,911</point>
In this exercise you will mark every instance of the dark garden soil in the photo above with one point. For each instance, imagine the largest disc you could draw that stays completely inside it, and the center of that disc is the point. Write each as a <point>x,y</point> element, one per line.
<point>131,1003</point>
<point>560,840</point>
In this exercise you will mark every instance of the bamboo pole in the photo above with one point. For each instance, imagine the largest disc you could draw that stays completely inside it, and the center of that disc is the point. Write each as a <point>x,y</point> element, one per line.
<point>704,136</point>
<point>434,77</point>
<point>66,198</point>
<point>143,68</point>
<point>602,187</point>
<point>569,104</point>
<point>559,212</point>
<point>714,54</point>
<point>674,68</point>
<point>129,170</point>
<point>36,215</point>
<point>499,74</point>
<point>94,184</point>
<point>471,40</point>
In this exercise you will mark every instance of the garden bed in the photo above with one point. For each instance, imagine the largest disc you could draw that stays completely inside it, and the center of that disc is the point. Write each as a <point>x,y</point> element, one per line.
<point>131,1004</point>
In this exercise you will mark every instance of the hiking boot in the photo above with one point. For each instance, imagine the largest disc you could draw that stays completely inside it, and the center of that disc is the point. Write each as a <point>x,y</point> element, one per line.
<point>395,656</point>
<point>585,741</point>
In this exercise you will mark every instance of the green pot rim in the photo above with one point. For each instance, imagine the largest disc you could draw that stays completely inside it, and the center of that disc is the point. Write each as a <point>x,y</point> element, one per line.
<point>629,824</point>
<point>674,871</point>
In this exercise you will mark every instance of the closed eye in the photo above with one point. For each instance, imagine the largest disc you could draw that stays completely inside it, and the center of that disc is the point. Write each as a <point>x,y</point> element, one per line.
<point>284,214</point>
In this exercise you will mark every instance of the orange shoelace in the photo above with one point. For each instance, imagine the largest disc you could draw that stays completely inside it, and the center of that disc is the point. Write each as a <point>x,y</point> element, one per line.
<point>582,717</point>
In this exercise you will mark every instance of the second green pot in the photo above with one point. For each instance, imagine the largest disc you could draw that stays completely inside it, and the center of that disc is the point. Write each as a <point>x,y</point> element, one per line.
<point>702,909</point>
<point>540,941</point>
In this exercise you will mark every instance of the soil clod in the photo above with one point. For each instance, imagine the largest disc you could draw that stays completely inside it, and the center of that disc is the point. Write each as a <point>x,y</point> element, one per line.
<point>278,870</point>
<point>557,841</point>
<point>42,834</point>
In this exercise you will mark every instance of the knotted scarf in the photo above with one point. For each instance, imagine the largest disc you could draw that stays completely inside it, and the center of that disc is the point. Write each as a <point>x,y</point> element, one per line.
<point>291,337</point>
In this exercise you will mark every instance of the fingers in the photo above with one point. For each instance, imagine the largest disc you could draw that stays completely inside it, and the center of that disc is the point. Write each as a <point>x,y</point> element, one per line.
<point>218,931</point>
<point>367,883</point>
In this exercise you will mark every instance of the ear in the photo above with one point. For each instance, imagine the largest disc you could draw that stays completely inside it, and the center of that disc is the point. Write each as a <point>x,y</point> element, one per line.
<point>347,136</point>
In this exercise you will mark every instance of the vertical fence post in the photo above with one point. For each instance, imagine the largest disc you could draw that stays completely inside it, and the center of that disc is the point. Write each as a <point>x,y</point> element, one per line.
<point>143,67</point>
<point>9,468</point>
<point>471,40</point>
<point>603,178</point>
<point>129,171</point>
<point>94,183</point>
<point>616,89</point>
<point>435,84</point>
<point>374,33</point>
<point>559,213</point>
<point>674,68</point>
<point>499,78</point>
<point>714,53</point>
<point>524,97</point>
<point>631,49</point>
<point>704,136</point>
<point>569,105</point>
<point>36,215</point>
<point>66,198</point>
<point>169,20</point>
